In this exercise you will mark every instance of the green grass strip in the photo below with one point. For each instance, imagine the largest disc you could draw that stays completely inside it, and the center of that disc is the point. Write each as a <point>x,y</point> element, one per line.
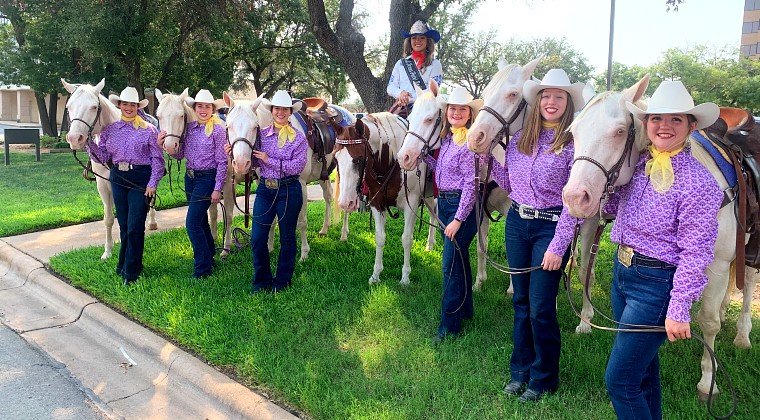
<point>334,347</point>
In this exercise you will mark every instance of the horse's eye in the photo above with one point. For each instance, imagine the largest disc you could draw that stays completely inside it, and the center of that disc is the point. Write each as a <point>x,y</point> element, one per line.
<point>620,132</point>
<point>428,120</point>
<point>513,95</point>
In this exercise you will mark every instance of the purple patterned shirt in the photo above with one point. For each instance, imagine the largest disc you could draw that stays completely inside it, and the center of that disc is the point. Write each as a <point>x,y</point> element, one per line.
<point>679,227</point>
<point>455,170</point>
<point>203,152</point>
<point>288,161</point>
<point>122,142</point>
<point>537,181</point>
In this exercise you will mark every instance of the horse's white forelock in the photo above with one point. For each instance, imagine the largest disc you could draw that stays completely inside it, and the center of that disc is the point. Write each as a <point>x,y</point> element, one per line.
<point>612,106</point>
<point>109,113</point>
<point>385,128</point>
<point>507,74</point>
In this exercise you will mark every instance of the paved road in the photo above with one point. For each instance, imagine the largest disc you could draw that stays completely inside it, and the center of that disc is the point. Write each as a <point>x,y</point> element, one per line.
<point>33,386</point>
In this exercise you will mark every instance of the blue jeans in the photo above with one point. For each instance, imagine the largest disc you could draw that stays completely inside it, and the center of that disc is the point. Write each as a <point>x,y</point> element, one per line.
<point>198,191</point>
<point>285,203</point>
<point>456,303</point>
<point>535,357</point>
<point>131,211</point>
<point>640,295</point>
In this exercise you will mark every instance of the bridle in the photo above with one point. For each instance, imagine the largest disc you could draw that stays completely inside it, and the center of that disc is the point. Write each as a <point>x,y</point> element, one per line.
<point>253,145</point>
<point>359,160</point>
<point>611,175</point>
<point>505,123</point>
<point>90,127</point>
<point>181,136</point>
<point>427,141</point>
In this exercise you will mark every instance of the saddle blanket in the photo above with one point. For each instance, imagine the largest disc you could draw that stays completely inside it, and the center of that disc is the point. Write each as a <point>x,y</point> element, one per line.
<point>723,164</point>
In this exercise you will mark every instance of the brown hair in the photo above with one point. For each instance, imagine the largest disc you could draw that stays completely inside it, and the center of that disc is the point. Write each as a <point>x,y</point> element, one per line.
<point>446,127</point>
<point>429,50</point>
<point>533,127</point>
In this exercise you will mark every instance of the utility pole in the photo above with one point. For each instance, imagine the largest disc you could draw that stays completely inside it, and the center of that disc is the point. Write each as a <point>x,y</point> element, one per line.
<point>609,54</point>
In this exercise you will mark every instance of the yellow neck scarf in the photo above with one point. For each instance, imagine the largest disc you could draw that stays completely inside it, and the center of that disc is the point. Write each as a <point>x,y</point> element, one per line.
<point>136,121</point>
<point>287,134</point>
<point>210,123</point>
<point>459,135</point>
<point>548,124</point>
<point>660,169</point>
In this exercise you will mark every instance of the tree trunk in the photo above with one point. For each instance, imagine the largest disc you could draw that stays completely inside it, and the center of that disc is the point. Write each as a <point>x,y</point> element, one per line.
<point>53,113</point>
<point>346,45</point>
<point>42,110</point>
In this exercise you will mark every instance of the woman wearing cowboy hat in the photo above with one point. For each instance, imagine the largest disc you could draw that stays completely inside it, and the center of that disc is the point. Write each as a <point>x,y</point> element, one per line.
<point>203,147</point>
<point>455,177</point>
<point>666,229</point>
<point>282,158</point>
<point>418,65</point>
<point>137,166</point>
<point>538,230</point>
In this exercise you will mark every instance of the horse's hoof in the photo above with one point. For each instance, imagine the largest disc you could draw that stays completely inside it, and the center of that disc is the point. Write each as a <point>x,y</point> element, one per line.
<point>429,247</point>
<point>742,342</point>
<point>510,291</point>
<point>374,279</point>
<point>343,238</point>
<point>153,226</point>
<point>223,255</point>
<point>105,256</point>
<point>404,282</point>
<point>583,328</point>
<point>322,232</point>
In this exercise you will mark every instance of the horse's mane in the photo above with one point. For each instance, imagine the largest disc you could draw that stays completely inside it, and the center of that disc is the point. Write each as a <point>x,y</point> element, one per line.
<point>384,128</point>
<point>498,79</point>
<point>641,140</point>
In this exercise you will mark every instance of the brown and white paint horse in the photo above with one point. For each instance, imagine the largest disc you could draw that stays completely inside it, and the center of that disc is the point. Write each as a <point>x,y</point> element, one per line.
<point>371,159</point>
<point>500,118</point>
<point>600,134</point>
<point>90,112</point>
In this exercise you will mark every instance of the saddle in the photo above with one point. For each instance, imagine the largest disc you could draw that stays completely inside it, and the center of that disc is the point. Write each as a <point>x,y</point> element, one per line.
<point>321,121</point>
<point>737,135</point>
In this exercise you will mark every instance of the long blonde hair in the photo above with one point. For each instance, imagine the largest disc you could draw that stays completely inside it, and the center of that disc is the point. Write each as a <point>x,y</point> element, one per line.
<point>429,50</point>
<point>446,127</point>
<point>533,127</point>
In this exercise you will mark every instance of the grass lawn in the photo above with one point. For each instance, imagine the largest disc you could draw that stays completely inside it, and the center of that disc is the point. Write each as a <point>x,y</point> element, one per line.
<point>52,193</point>
<point>332,346</point>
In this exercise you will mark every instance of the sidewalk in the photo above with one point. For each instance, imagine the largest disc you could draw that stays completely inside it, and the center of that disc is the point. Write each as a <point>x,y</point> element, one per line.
<point>123,369</point>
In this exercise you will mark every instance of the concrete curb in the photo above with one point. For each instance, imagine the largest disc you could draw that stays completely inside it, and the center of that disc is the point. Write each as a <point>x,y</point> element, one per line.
<point>92,340</point>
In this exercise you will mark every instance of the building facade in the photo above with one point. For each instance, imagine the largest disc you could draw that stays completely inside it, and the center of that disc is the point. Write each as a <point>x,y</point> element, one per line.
<point>751,29</point>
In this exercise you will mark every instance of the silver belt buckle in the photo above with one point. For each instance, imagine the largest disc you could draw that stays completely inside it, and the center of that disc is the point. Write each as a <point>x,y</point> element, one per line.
<point>526,213</point>
<point>625,255</point>
<point>272,184</point>
<point>123,166</point>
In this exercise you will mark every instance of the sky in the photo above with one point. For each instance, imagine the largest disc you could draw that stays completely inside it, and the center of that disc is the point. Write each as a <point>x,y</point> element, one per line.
<point>643,28</point>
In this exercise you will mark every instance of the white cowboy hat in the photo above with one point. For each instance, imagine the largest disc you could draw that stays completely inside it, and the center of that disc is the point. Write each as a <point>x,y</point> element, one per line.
<point>460,96</point>
<point>129,94</point>
<point>203,96</point>
<point>671,97</point>
<point>421,28</point>
<point>556,79</point>
<point>282,99</point>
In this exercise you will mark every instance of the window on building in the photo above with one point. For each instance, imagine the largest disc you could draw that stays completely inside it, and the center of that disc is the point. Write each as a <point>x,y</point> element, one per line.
<point>744,50</point>
<point>753,49</point>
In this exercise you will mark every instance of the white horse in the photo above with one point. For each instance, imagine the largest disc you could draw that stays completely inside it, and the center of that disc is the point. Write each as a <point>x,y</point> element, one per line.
<point>503,97</point>
<point>600,133</point>
<point>90,112</point>
<point>424,133</point>
<point>173,115</point>
<point>362,162</point>
<point>243,121</point>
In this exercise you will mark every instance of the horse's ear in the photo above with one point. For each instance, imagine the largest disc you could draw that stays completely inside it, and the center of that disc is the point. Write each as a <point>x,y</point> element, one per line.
<point>159,95</point>
<point>529,68</point>
<point>434,87</point>
<point>99,87</point>
<point>184,95</point>
<point>502,63</point>
<point>418,90</point>
<point>636,92</point>
<point>228,100</point>
<point>68,86</point>
<point>256,102</point>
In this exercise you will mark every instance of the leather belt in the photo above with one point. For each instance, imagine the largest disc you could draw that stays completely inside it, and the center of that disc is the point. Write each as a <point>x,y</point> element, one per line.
<point>530,213</point>
<point>192,173</point>
<point>274,183</point>
<point>628,257</point>
<point>126,166</point>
